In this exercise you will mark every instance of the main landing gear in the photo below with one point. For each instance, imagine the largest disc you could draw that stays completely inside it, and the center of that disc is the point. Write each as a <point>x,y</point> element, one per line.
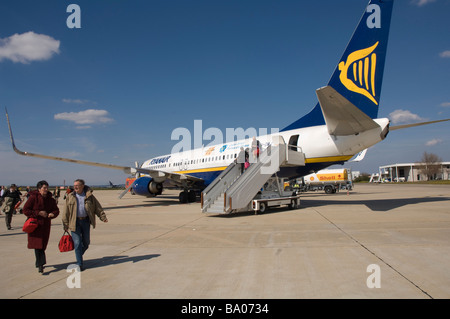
<point>187,196</point>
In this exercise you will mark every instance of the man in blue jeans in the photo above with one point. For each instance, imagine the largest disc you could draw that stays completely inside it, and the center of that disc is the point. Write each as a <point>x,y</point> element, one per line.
<point>78,215</point>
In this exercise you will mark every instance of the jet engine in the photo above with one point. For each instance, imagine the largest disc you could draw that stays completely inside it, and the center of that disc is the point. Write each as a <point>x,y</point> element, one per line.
<point>146,186</point>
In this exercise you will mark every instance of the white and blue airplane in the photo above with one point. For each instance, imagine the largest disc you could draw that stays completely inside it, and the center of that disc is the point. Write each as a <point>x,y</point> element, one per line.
<point>343,123</point>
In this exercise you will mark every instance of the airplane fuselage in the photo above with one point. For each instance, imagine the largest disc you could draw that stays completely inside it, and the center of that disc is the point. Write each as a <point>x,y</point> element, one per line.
<point>209,161</point>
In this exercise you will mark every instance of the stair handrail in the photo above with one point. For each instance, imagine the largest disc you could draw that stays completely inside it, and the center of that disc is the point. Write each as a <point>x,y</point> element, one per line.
<point>276,149</point>
<point>226,178</point>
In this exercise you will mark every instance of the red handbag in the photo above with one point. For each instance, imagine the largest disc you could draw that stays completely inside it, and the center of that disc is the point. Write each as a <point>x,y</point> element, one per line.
<point>30,225</point>
<point>65,243</point>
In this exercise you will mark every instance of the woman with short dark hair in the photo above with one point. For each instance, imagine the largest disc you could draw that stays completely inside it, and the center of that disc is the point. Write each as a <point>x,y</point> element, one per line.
<point>42,206</point>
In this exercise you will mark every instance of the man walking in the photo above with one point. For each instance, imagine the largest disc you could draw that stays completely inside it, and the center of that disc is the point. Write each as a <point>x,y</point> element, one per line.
<point>12,197</point>
<point>79,213</point>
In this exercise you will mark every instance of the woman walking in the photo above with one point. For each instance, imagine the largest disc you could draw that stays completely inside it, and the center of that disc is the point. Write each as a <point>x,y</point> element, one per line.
<point>42,206</point>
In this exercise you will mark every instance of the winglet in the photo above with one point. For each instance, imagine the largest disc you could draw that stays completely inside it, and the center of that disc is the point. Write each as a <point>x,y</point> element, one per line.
<point>11,135</point>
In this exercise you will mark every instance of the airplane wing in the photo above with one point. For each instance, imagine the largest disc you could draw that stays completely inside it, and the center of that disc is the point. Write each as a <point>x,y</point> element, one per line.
<point>156,174</point>
<point>398,127</point>
<point>341,116</point>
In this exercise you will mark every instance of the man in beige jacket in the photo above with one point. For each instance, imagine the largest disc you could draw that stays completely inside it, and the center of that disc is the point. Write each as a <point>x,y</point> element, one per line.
<point>79,213</point>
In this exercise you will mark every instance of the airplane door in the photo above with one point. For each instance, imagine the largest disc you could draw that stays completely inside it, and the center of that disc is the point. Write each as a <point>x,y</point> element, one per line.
<point>293,142</point>
<point>295,156</point>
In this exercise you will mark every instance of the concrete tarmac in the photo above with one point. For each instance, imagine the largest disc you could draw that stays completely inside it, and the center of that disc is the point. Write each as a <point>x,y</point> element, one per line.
<point>379,241</point>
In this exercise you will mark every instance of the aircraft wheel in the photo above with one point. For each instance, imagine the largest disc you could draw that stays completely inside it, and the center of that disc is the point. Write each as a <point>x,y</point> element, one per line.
<point>183,197</point>
<point>263,207</point>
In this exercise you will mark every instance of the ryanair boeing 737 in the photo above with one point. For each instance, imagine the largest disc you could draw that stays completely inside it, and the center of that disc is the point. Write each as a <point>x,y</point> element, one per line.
<point>343,123</point>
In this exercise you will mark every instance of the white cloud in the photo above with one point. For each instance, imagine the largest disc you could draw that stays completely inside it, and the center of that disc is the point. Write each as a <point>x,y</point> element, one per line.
<point>420,3</point>
<point>433,142</point>
<point>74,101</point>
<point>90,116</point>
<point>404,116</point>
<point>445,54</point>
<point>445,104</point>
<point>28,47</point>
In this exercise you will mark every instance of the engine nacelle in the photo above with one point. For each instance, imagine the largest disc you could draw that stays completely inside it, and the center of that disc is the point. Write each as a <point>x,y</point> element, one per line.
<point>146,186</point>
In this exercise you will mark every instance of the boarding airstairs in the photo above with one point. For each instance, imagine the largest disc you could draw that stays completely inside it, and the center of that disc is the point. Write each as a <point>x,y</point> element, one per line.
<point>232,191</point>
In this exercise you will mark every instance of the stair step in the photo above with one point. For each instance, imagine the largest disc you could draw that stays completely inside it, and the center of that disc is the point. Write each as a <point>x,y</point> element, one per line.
<point>213,210</point>
<point>217,206</point>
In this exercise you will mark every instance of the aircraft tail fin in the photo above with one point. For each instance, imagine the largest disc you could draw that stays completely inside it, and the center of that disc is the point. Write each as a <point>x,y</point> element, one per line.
<point>359,73</point>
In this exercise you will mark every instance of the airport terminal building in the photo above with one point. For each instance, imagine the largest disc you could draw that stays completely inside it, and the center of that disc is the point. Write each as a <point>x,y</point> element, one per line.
<point>413,172</point>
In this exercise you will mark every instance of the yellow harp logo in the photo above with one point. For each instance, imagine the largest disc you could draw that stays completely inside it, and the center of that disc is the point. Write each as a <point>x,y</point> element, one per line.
<point>363,62</point>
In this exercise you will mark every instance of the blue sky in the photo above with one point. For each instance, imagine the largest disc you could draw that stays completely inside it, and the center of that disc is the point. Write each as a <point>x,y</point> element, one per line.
<point>114,90</point>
